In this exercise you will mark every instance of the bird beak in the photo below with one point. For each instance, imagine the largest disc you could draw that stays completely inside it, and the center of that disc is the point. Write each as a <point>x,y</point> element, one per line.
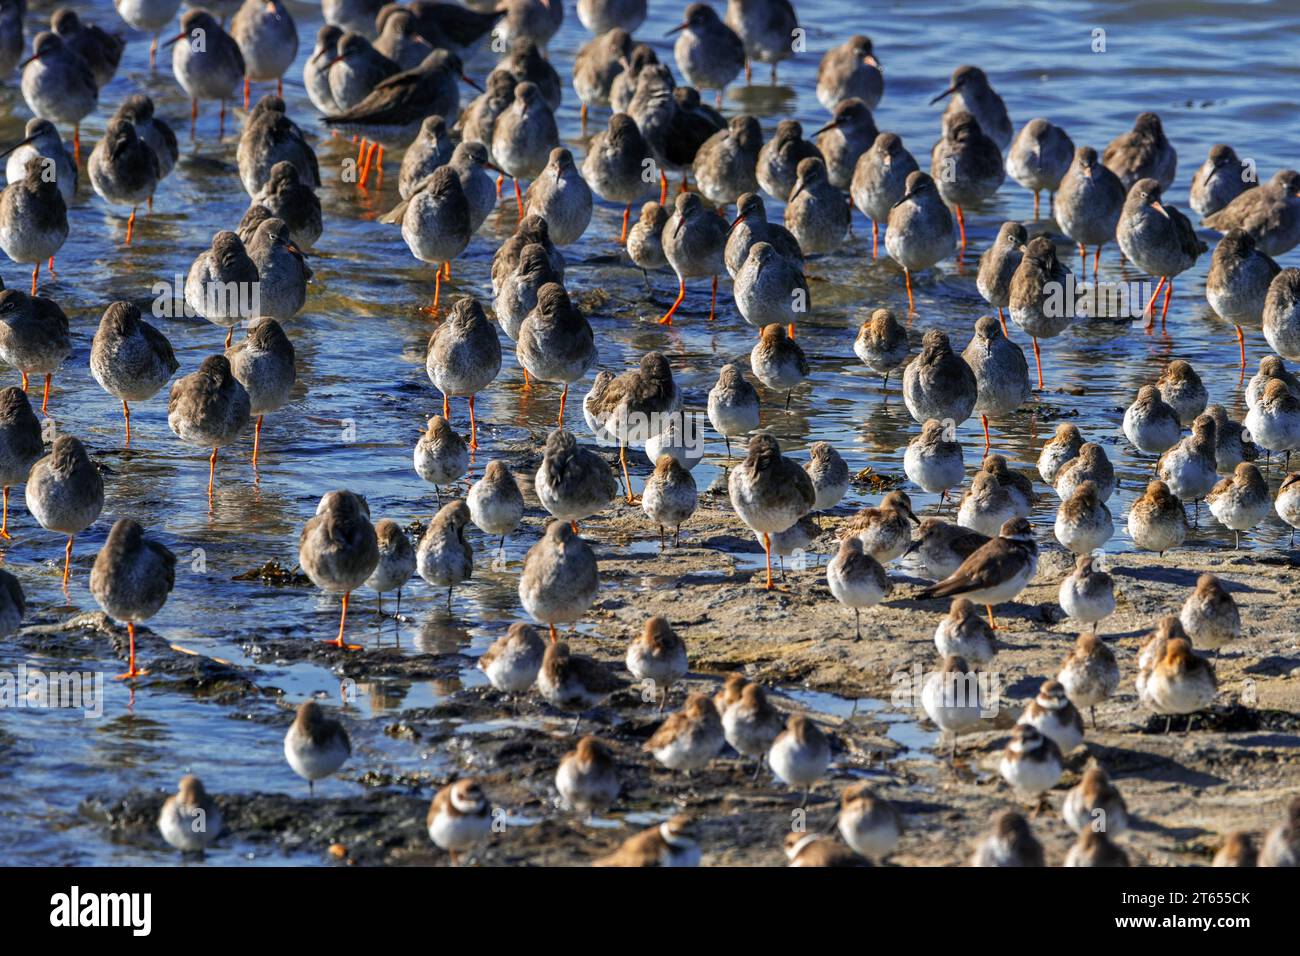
<point>471,82</point>
<point>911,516</point>
<point>906,196</point>
<point>34,56</point>
<point>833,124</point>
<point>949,91</point>
<point>731,228</point>
<point>679,27</point>
<point>870,60</point>
<point>21,142</point>
<point>175,39</point>
<point>912,546</point>
<point>333,60</point>
<point>798,188</point>
<point>493,168</point>
<point>317,55</point>
<point>1160,209</point>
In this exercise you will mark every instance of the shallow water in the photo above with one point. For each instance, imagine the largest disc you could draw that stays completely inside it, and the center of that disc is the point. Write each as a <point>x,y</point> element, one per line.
<point>363,396</point>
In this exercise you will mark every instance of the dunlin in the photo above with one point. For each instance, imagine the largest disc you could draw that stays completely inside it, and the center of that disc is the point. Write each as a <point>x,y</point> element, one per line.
<point>882,344</point>
<point>972,93</point>
<point>208,408</point>
<point>1282,843</point>
<point>769,492</point>
<point>725,165</point>
<point>693,241</point>
<point>597,64</point>
<point>1281,317</point>
<point>963,633</point>
<point>938,383</point>
<point>829,473</point>
<point>220,283</point>
<point>207,63</point>
<point>778,361</point>
<point>1142,153</point>
<point>1009,842</point>
<point>573,482</point>
<point>34,337</point>
<point>1238,850</point>
<point>1036,295</point>
<point>1219,180</point>
<point>1157,521</point>
<point>951,697</point>
<point>998,264</point>
<point>496,505</point>
<point>1058,451</point>
<point>766,27</point>
<point>1150,424</point>
<point>733,405</point>
<point>65,492</point>
<point>58,85</point>
<point>587,778</point>
<point>633,406</point>
<point>1053,715</point>
<point>1087,594</point>
<point>1182,390</point>
<point>880,181</point>
<point>779,159</point>
<point>512,662</point>
<point>867,822</point>
<point>688,739</point>
<point>966,165</point>
<point>613,167</point>
<point>1039,157</point>
<point>657,655</point>
<point>1238,284</point>
<point>41,139</point>
<point>750,723</point>
<point>1083,522</point>
<point>1001,373</point>
<point>986,505</point>
<point>850,133</point>
<point>1158,238</point>
<point>1240,502</point>
<point>443,556</point>
<point>1232,443</point>
<point>856,579</point>
<point>1088,205</point>
<point>919,231</point>
<point>669,497</point>
<point>808,849</point>
<point>574,681</point>
<point>885,531</point>
<point>850,71</point>
<point>707,51</point>
<point>1090,674</point>
<point>816,213</point>
<point>1094,803</point>
<point>396,561</point>
<point>671,843</point>
<point>1095,848</point>
<point>1274,422</point>
<point>800,754</point>
<point>33,217</point>
<point>1190,468</point>
<point>129,358</point>
<point>1287,504</point>
<point>1271,214</point>
<point>21,444</point>
<point>556,343</point>
<point>338,550</point>
<point>941,547</point>
<point>460,818</point>
<point>559,580</point>
<point>441,455</point>
<point>645,245</point>
<point>1031,762</point>
<point>750,227</point>
<point>190,819</point>
<point>1210,615</point>
<point>996,572</point>
<point>1173,679</point>
<point>131,579</point>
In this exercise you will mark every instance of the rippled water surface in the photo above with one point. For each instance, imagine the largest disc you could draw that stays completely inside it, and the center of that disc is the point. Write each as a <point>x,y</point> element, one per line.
<point>1216,72</point>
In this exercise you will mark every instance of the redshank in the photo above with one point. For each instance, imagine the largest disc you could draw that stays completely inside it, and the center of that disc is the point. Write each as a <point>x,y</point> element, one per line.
<point>556,343</point>
<point>1088,205</point>
<point>129,358</point>
<point>709,54</point>
<point>769,491</point>
<point>778,160</point>
<point>724,166</point>
<point>207,63</point>
<point>123,169</point>
<point>1219,180</point>
<point>34,337</point>
<point>101,50</point>
<point>693,241</point>
<point>880,180</point>
<point>208,408</point>
<point>463,357</point>
<point>603,16</point>
<point>850,133</point>
<point>264,364</point>
<point>338,550</point>
<point>444,557</point>
<point>768,29</point>
<point>850,71</point>
<point>131,579</point>
<point>20,444</point>
<point>42,140</point>
<point>33,218</point>
<point>1037,289</point>
<point>573,483</point>
<point>58,85</point>
<point>221,282</point>
<point>615,166</point>
<point>1142,153</point>
<point>1158,238</point>
<point>1039,157</point>
<point>966,165</point>
<point>751,226</point>
<point>972,93</point>
<point>998,263</point>
<point>523,137</point>
<point>562,197</point>
<point>268,39</point>
<point>1271,214</point>
<point>65,493</point>
<point>559,580</point>
<point>920,229</point>
<point>817,214</point>
<point>597,64</point>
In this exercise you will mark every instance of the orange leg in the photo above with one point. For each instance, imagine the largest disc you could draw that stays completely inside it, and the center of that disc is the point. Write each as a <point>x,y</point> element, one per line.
<point>1096,263</point>
<point>153,53</point>
<point>230,334</point>
<point>1035,205</point>
<point>1083,262</point>
<point>961,226</point>
<point>627,482</point>
<point>1151,304</point>
<point>519,199</point>
<point>212,473</point>
<point>767,547</point>
<point>681,294</point>
<point>365,163</point>
<point>194,116</point>
<point>361,153</point>
<point>1241,344</point>
<point>622,236</point>
<point>1003,319</point>
<point>984,419</point>
<point>1038,361</point>
<point>50,268</point>
<point>789,329</point>
<point>993,624</point>
<point>257,439</point>
<point>446,408</point>
<point>446,271</point>
<point>131,670</point>
<point>907,277</point>
<point>554,636</point>
<point>149,203</point>
<point>36,271</point>
<point>379,166</point>
<point>24,381</point>
<point>67,562</point>
<point>45,399</point>
<point>527,385</point>
<point>1169,291</point>
<point>473,424</point>
<point>500,182</point>
<point>684,187</point>
<point>130,226</point>
<point>126,413</point>
<point>437,289</point>
<point>4,525</point>
<point>663,189</point>
<point>564,395</point>
<point>76,145</point>
<point>875,239</point>
<point>583,117</point>
<point>279,86</point>
<point>343,621</point>
<point>713,302</point>
<point>246,93</point>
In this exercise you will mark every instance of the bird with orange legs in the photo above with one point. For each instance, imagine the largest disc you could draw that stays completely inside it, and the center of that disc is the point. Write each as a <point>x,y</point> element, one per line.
<point>58,85</point>
<point>338,549</point>
<point>633,407</point>
<point>33,217</point>
<point>1036,300</point>
<point>21,444</point>
<point>34,337</point>
<point>998,264</point>
<point>209,408</point>
<point>207,63</point>
<point>966,165</point>
<point>769,492</point>
<point>129,358</point>
<point>920,230</point>
<point>1238,284</point>
<point>123,169</point>
<point>1159,240</point>
<point>1001,373</point>
<point>1087,206</point>
<point>694,239</point>
<point>523,137</point>
<point>880,180</point>
<point>996,572</point>
<point>463,357</point>
<point>435,224</point>
<point>148,16</point>
<point>559,580</point>
<point>65,493</point>
<point>596,66</point>
<point>268,40</point>
<point>220,283</point>
<point>264,364</point>
<point>130,579</point>
<point>556,343</point>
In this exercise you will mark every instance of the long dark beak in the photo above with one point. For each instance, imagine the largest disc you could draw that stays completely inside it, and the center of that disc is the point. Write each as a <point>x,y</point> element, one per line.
<point>471,82</point>
<point>21,142</point>
<point>948,92</point>
<point>905,197</point>
<point>739,220</point>
<point>677,29</point>
<point>493,168</point>
<point>34,56</point>
<point>911,516</point>
<point>798,188</point>
<point>176,38</point>
<point>910,548</point>
<point>332,61</point>
<point>833,124</point>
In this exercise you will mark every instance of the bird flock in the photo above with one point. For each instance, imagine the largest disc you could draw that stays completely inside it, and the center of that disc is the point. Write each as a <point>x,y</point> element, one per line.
<point>390,78</point>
